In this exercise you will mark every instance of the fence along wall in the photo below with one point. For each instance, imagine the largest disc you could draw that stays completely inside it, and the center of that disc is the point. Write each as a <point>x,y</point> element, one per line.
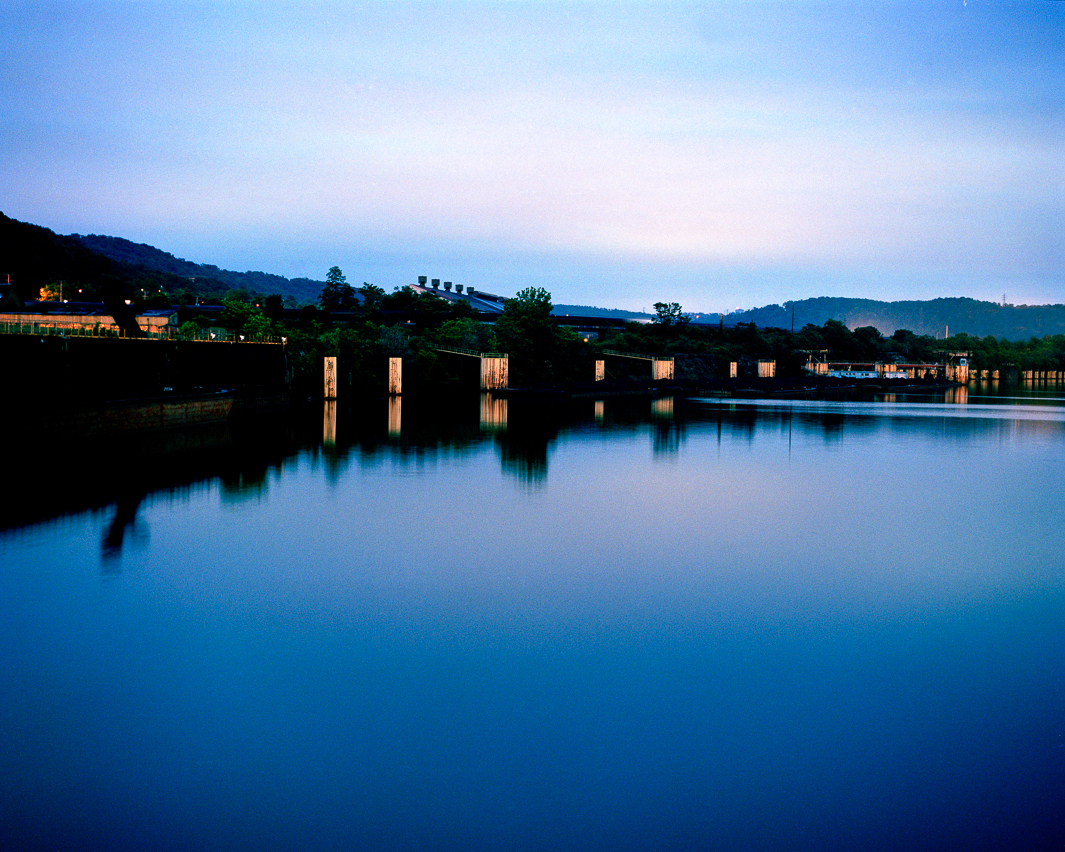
<point>27,323</point>
<point>57,370</point>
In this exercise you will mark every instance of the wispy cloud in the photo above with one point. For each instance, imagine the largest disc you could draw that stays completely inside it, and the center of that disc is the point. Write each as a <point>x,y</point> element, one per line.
<point>887,139</point>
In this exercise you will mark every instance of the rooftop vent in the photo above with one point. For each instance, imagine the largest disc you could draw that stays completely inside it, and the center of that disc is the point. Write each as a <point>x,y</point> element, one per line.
<point>422,279</point>
<point>458,288</point>
<point>436,283</point>
<point>447,285</point>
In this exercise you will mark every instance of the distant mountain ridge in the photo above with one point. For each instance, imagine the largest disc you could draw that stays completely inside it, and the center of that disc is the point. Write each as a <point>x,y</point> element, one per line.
<point>34,256</point>
<point>934,317</point>
<point>140,254</point>
<point>590,311</point>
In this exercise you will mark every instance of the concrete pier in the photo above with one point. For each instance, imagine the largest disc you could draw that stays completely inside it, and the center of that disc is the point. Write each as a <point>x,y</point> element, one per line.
<point>330,377</point>
<point>661,368</point>
<point>494,366</point>
<point>494,372</point>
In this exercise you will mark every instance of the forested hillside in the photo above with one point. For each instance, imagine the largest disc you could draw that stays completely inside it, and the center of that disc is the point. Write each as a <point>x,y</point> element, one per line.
<point>139,254</point>
<point>37,258</point>
<point>934,318</point>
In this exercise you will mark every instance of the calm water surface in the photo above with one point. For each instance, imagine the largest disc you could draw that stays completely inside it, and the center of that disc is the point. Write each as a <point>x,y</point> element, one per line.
<point>707,624</point>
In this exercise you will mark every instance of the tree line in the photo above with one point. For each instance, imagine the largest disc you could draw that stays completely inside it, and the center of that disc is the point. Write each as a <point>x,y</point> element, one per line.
<point>365,326</point>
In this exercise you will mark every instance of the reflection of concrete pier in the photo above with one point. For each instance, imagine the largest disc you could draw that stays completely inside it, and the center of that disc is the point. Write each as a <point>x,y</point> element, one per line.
<point>493,413</point>
<point>395,416</point>
<point>662,408</point>
<point>329,423</point>
<point>1041,375</point>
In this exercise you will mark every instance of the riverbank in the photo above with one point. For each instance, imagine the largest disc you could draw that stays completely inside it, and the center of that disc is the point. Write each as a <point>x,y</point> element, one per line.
<point>807,387</point>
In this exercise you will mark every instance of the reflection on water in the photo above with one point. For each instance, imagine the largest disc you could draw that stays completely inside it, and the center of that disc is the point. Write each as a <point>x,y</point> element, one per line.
<point>522,433</point>
<point>123,523</point>
<point>662,408</point>
<point>525,445</point>
<point>667,430</point>
<point>745,625</point>
<point>493,413</point>
<point>329,423</point>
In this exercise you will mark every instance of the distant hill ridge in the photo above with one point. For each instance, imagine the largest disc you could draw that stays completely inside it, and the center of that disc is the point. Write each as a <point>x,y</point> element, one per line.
<point>36,256</point>
<point>140,254</point>
<point>590,311</point>
<point>934,317</point>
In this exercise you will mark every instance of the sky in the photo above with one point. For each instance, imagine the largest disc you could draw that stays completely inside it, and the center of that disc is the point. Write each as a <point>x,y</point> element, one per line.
<point>721,155</point>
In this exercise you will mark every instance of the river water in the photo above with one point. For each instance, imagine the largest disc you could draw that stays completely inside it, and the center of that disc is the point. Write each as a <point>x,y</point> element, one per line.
<point>617,624</point>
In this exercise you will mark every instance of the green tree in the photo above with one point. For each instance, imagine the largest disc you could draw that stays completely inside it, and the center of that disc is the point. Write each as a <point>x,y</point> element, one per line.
<point>531,306</point>
<point>840,340</point>
<point>274,306</point>
<point>371,297</point>
<point>240,294</point>
<point>539,351</point>
<point>56,291</point>
<point>670,314</point>
<point>393,342</point>
<point>868,339</point>
<point>257,326</point>
<point>425,310</point>
<point>236,314</point>
<point>466,333</point>
<point>337,295</point>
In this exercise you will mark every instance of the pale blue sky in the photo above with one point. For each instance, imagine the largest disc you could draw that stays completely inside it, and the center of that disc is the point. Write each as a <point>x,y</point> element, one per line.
<point>719,154</point>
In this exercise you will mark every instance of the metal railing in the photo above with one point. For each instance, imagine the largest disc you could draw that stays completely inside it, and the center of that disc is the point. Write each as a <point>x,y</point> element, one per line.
<point>65,329</point>
<point>111,330</point>
<point>637,355</point>
<point>456,350</point>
